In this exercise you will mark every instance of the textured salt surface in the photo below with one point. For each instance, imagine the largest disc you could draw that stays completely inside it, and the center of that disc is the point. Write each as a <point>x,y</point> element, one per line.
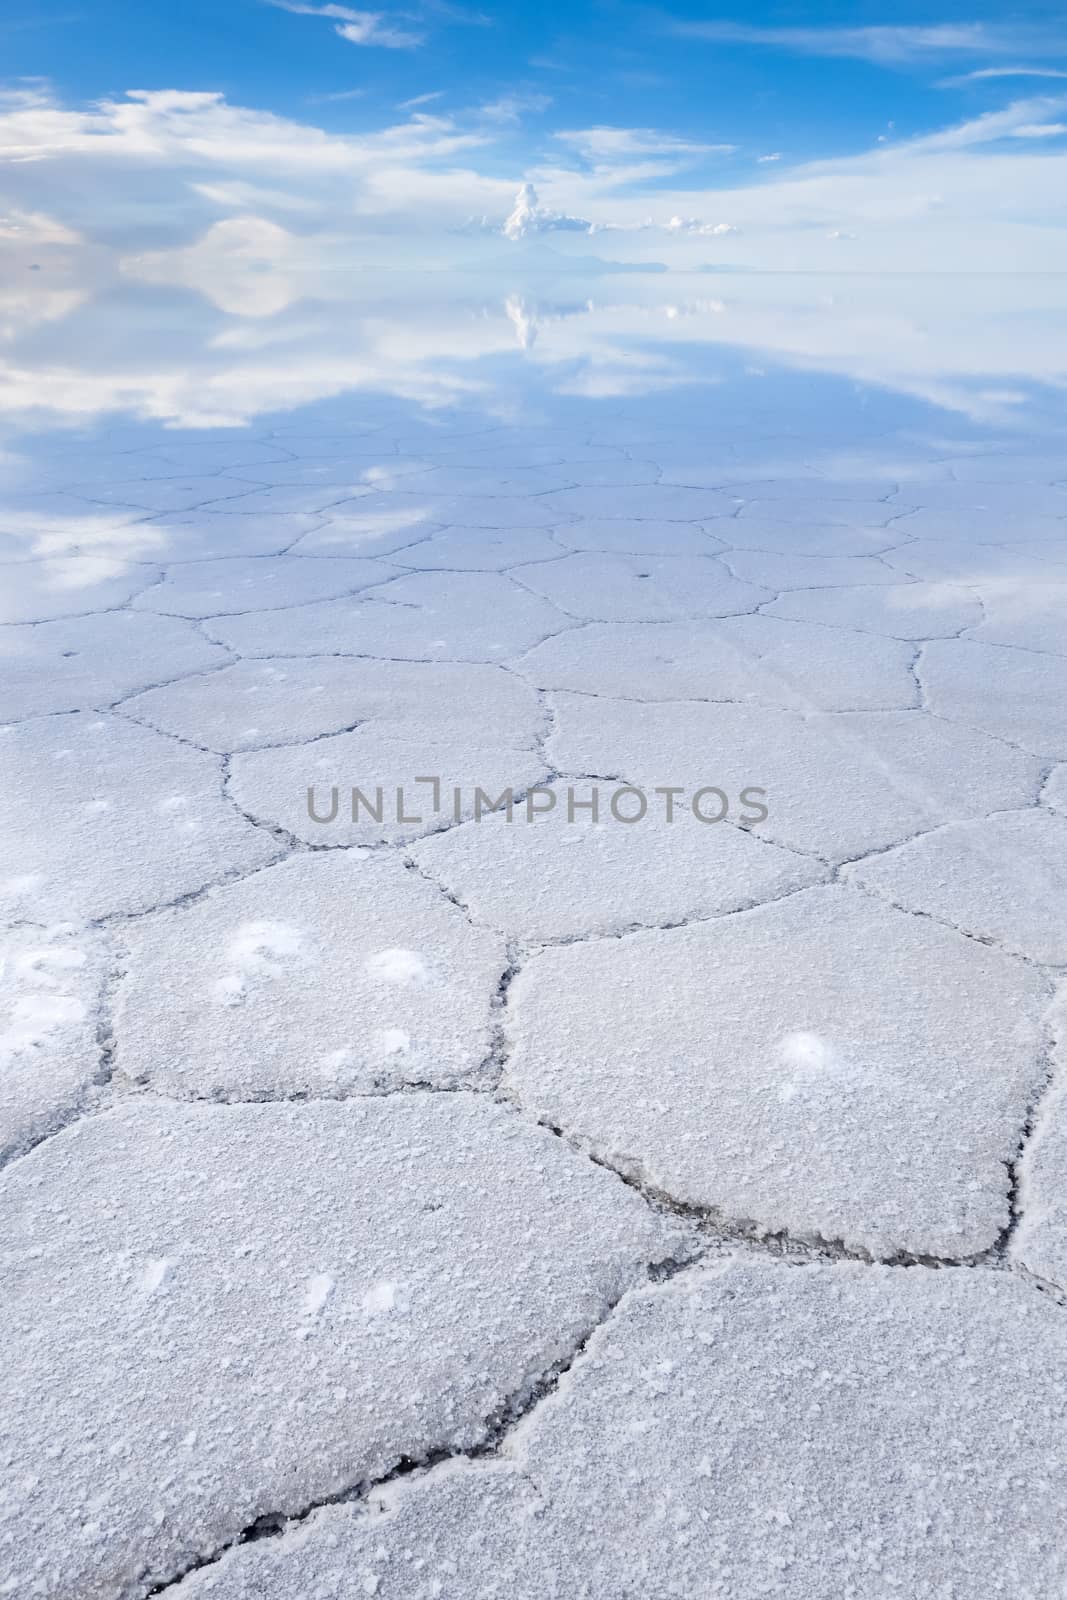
<point>511,1067</point>
<point>761,1430</point>
<point>254,1308</point>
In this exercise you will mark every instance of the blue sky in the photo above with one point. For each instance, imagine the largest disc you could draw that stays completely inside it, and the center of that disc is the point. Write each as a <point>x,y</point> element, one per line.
<point>799,140</point>
<point>803,82</point>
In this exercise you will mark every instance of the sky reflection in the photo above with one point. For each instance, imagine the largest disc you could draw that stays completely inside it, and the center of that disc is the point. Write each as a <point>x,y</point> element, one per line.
<point>220,337</point>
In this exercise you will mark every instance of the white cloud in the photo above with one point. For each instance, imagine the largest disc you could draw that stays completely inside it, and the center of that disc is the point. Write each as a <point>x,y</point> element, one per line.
<point>339,94</point>
<point>1039,130</point>
<point>986,73</point>
<point>357,27</point>
<point>235,195</point>
<point>528,216</point>
<point>612,144</point>
<point>889,46</point>
<point>175,128</point>
<point>1016,121</point>
<point>368,28</point>
<point>510,108</point>
<point>616,158</point>
<point>717,230</point>
<point>169,163</point>
<point>155,171</point>
<point>775,155</point>
<point>461,15</point>
<point>967,193</point>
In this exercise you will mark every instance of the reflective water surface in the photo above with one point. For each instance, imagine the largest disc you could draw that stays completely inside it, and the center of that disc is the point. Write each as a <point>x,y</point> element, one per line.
<point>175,369</point>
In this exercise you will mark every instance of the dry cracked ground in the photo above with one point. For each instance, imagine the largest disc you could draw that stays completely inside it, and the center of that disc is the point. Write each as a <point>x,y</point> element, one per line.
<point>432,1203</point>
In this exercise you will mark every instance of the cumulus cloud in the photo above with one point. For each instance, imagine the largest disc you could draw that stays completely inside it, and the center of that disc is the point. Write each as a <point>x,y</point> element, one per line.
<point>357,27</point>
<point>528,216</point>
<point>715,230</point>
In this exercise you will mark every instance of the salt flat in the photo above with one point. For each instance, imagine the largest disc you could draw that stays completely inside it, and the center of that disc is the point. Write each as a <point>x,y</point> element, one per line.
<point>672,1497</point>
<point>531,1049</point>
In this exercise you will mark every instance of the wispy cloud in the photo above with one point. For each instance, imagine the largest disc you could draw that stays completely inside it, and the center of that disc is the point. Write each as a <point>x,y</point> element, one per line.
<point>985,73</point>
<point>357,27</point>
<point>1038,130</point>
<point>510,108</point>
<point>463,16</point>
<point>1023,119</point>
<point>24,94</point>
<point>93,163</point>
<point>888,46</point>
<point>339,94</point>
<point>614,144</point>
<point>617,158</point>
<point>420,100</point>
